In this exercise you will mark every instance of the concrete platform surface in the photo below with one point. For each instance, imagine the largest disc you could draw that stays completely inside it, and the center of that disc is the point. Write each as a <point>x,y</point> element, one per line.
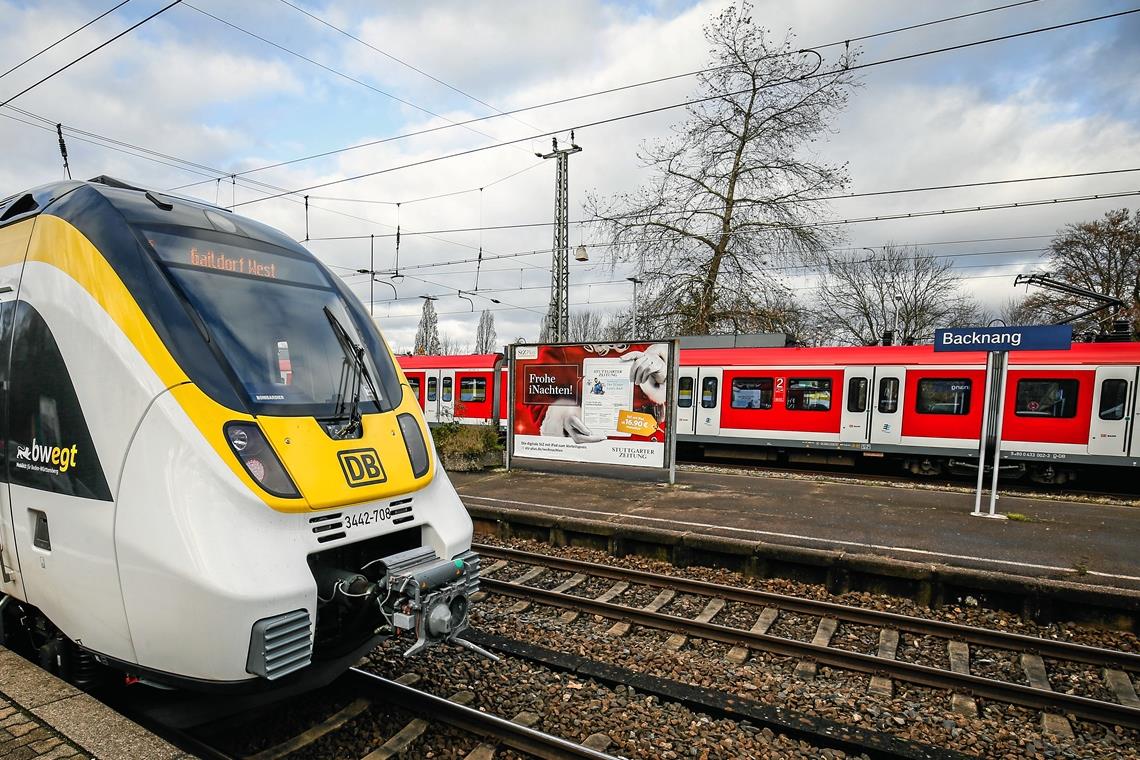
<point>1089,543</point>
<point>43,718</point>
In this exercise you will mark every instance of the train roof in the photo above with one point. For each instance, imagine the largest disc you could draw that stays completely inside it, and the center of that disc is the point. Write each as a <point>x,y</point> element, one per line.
<point>1080,353</point>
<point>463,361</point>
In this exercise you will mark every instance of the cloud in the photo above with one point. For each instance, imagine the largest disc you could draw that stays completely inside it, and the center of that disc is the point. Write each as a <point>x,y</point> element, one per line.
<point>185,85</point>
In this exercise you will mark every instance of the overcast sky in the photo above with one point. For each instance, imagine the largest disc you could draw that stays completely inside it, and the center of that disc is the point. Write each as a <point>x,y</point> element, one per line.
<point>197,90</point>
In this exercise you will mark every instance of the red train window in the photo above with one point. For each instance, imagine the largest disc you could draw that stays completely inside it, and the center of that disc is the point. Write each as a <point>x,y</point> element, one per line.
<point>943,396</point>
<point>1046,398</point>
<point>447,389</point>
<point>708,393</point>
<point>889,395</point>
<point>414,383</point>
<point>857,394</point>
<point>751,393</point>
<point>472,389</point>
<point>685,392</point>
<point>1113,397</point>
<point>432,384</point>
<point>808,394</point>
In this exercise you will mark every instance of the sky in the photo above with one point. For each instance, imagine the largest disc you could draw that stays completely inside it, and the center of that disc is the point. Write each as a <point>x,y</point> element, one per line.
<point>211,89</point>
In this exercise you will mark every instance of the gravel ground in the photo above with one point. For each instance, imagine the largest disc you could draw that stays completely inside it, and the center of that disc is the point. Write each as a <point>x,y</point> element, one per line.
<point>856,638</point>
<point>639,726</point>
<point>965,611</point>
<point>923,650</point>
<point>1077,678</point>
<point>912,712</point>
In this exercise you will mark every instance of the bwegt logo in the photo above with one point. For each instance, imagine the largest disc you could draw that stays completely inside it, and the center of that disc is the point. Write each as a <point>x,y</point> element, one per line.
<point>361,467</point>
<point>44,457</point>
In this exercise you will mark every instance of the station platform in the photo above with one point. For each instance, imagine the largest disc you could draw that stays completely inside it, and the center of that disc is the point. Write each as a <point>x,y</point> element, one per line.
<point>1078,542</point>
<point>44,718</point>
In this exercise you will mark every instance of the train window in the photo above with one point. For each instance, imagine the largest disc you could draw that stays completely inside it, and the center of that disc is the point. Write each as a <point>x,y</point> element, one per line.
<point>1046,398</point>
<point>943,396</point>
<point>472,389</point>
<point>857,394</point>
<point>889,395</point>
<point>685,392</point>
<point>808,394</point>
<point>447,389</point>
<point>708,393</point>
<point>1113,399</point>
<point>752,393</point>
<point>414,384</point>
<point>433,384</point>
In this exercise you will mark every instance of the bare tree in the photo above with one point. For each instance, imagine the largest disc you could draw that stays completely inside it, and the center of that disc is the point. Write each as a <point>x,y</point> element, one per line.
<point>450,346</point>
<point>1020,311</point>
<point>585,325</point>
<point>427,332</point>
<point>1102,256</point>
<point>902,288</point>
<point>485,337</point>
<point>734,188</point>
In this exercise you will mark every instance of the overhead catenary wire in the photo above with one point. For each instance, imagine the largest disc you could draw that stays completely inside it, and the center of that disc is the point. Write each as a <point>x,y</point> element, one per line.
<point>683,212</point>
<point>335,72</point>
<point>91,52</point>
<point>400,61</point>
<point>64,38</point>
<point>694,101</point>
<point>611,90</point>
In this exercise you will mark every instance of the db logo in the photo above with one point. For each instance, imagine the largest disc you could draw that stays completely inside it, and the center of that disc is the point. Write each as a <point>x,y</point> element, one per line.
<point>361,467</point>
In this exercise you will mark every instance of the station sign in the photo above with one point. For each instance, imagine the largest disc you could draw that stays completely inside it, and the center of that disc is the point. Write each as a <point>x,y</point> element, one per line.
<point>1018,338</point>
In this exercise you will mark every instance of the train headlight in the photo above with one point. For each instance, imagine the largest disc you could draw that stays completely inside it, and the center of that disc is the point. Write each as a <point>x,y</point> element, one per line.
<point>414,443</point>
<point>257,458</point>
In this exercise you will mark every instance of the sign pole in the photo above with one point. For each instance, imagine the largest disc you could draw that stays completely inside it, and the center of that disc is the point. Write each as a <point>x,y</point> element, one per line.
<point>1003,358</point>
<point>988,394</point>
<point>510,406</point>
<point>671,407</point>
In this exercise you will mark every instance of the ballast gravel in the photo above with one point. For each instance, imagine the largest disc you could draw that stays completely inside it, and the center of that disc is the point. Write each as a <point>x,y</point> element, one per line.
<point>915,713</point>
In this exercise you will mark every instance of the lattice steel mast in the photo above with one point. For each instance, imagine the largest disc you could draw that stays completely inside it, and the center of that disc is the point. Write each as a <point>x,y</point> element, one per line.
<point>559,313</point>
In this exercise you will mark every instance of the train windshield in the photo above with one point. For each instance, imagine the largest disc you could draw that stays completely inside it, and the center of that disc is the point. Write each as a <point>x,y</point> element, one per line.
<point>264,307</point>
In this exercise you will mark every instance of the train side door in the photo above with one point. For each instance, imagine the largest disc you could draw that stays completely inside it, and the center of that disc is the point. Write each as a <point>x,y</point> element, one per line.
<point>707,403</point>
<point>431,395</point>
<point>447,395</point>
<point>687,401</point>
<point>9,561</point>
<point>887,404</point>
<point>13,246</point>
<point>855,422</point>
<point>1112,411</point>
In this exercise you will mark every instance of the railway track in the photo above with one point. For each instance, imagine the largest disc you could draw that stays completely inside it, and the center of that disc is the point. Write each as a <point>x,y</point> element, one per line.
<point>882,666</point>
<point>368,690</point>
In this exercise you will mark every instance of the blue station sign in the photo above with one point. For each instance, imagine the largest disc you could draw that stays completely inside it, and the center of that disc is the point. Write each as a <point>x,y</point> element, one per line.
<point>1025,338</point>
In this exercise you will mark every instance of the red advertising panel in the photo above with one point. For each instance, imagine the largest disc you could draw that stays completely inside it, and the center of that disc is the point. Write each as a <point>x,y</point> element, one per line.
<point>603,403</point>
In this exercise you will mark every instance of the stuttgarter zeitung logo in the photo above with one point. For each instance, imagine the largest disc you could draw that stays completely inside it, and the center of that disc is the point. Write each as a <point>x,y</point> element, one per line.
<point>54,460</point>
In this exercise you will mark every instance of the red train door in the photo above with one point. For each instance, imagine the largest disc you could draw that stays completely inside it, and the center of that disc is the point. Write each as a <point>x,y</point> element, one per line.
<point>1113,401</point>
<point>708,400</point>
<point>887,404</point>
<point>855,419</point>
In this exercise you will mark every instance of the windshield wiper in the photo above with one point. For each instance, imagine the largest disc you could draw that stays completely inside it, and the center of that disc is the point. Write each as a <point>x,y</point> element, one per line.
<point>354,360</point>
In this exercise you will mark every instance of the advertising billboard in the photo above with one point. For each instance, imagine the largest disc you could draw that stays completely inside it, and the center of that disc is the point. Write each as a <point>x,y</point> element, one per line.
<point>599,403</point>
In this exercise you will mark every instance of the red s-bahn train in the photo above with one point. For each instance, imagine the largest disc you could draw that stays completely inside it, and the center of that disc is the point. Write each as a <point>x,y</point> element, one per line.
<point>1062,409</point>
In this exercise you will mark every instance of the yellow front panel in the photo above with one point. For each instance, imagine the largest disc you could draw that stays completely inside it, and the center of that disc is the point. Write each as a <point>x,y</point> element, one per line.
<point>318,463</point>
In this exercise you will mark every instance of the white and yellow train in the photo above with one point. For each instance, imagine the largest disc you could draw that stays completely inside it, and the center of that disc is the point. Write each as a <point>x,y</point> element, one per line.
<point>215,474</point>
